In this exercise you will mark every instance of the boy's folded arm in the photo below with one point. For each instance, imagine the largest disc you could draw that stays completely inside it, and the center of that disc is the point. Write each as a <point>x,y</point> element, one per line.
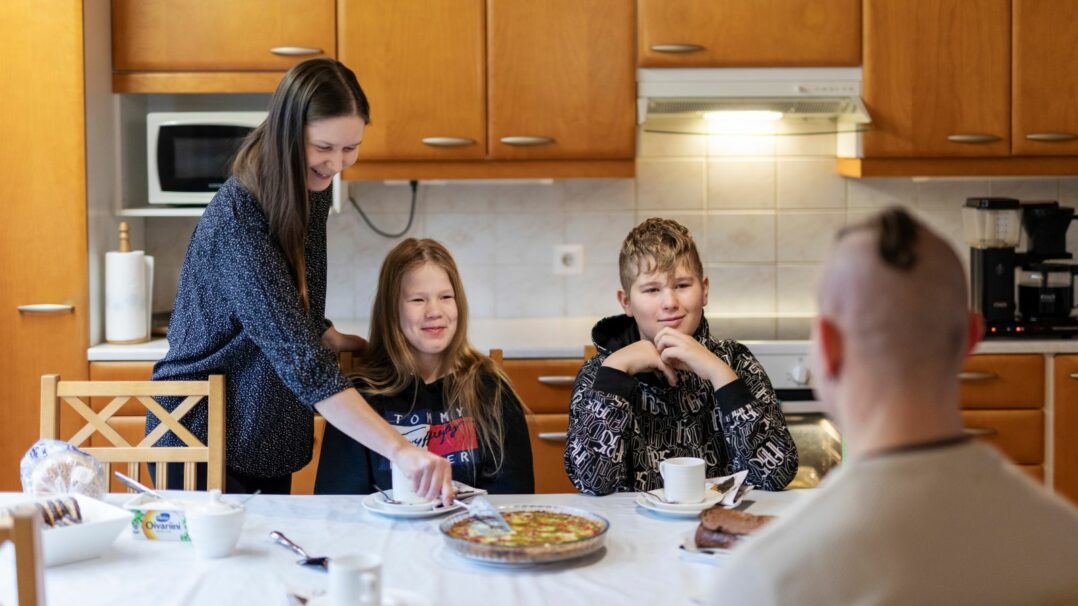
<point>598,418</point>
<point>754,427</point>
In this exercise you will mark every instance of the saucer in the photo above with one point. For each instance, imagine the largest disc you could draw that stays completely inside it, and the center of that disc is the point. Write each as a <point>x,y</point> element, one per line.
<point>681,510</point>
<point>376,503</point>
<point>390,597</point>
<point>420,506</point>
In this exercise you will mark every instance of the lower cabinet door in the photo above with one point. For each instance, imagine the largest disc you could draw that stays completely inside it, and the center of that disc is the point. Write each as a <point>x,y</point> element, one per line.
<point>547,433</point>
<point>1019,434</point>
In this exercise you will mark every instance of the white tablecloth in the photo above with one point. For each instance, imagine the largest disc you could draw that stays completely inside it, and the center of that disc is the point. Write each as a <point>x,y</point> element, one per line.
<point>640,563</point>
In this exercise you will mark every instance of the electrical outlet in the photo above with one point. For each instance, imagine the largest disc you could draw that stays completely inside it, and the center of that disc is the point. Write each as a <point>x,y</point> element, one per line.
<point>568,259</point>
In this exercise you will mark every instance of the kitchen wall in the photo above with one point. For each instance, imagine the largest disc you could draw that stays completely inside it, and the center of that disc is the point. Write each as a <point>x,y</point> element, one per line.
<point>763,209</point>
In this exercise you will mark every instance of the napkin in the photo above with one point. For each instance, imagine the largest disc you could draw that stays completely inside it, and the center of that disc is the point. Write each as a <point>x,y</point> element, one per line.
<point>732,487</point>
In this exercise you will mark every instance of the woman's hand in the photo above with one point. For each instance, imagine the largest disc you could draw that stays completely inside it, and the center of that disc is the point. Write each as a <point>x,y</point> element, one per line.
<point>432,476</point>
<point>338,341</point>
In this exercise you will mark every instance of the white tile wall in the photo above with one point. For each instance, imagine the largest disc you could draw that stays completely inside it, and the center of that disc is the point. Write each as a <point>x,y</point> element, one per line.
<point>763,209</point>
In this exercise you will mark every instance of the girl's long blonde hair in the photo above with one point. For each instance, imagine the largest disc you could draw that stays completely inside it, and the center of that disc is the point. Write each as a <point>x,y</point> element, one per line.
<point>388,366</point>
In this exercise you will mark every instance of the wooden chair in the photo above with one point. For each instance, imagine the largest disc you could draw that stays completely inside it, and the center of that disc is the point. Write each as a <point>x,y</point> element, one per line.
<point>55,393</point>
<point>25,532</point>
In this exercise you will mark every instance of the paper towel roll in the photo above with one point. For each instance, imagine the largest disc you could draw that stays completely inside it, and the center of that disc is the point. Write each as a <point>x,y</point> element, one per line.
<point>126,297</point>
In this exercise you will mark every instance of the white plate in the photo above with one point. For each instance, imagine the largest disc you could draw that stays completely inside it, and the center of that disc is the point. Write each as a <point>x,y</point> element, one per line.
<point>390,597</point>
<point>101,524</point>
<point>376,503</point>
<point>421,506</point>
<point>680,510</point>
<point>691,553</point>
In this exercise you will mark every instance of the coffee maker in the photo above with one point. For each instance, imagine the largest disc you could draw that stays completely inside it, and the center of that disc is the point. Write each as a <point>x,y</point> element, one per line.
<point>1045,285</point>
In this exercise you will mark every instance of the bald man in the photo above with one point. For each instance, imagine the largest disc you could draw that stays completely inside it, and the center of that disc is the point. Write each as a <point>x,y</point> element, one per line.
<point>917,513</point>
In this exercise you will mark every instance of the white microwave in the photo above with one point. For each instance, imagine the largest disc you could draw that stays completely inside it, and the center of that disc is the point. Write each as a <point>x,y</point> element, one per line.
<point>189,154</point>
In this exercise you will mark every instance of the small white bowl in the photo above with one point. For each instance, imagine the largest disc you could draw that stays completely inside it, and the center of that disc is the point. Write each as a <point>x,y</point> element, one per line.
<point>215,527</point>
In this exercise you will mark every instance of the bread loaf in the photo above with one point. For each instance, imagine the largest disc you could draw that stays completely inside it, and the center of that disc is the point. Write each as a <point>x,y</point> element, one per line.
<point>722,528</point>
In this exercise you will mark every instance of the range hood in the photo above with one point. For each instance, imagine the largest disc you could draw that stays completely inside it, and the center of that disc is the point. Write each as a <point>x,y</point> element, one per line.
<point>831,93</point>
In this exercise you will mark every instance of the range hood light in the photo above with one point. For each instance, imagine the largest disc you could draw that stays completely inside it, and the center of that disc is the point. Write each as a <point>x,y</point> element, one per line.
<point>740,117</point>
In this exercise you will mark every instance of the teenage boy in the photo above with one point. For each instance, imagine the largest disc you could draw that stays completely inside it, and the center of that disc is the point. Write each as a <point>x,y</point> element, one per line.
<point>662,387</point>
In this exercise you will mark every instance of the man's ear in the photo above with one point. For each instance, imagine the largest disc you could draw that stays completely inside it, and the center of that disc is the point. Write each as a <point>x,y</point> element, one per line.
<point>974,332</point>
<point>623,300</point>
<point>830,346</point>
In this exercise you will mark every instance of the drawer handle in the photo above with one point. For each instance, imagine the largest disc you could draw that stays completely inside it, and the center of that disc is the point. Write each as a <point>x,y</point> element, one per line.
<point>1074,375</point>
<point>295,51</point>
<point>977,376</point>
<point>1051,137</point>
<point>970,138</point>
<point>45,308</point>
<point>557,380</point>
<point>553,436</point>
<point>979,432</point>
<point>447,141</point>
<point>677,48</point>
<point>522,140</point>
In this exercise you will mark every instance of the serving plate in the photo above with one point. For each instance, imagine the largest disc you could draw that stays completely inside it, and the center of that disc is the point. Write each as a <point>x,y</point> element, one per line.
<point>101,524</point>
<point>527,555</point>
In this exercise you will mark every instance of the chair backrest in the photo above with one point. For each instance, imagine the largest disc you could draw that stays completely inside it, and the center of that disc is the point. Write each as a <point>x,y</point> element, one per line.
<point>24,531</point>
<point>76,394</point>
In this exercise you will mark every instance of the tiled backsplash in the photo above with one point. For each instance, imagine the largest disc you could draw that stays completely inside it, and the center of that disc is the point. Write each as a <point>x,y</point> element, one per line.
<point>764,211</point>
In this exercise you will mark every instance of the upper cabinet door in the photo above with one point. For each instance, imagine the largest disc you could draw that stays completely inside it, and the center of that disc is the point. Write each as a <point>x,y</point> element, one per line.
<point>757,33</point>
<point>937,77</point>
<point>422,66</point>
<point>562,81</point>
<point>216,35</point>
<point>1045,83</point>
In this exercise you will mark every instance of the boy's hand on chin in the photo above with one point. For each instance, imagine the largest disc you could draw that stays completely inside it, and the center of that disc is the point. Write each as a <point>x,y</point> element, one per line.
<point>684,352</point>
<point>639,357</point>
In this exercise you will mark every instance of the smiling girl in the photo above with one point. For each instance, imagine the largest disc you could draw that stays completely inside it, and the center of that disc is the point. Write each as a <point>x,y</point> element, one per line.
<point>425,379</point>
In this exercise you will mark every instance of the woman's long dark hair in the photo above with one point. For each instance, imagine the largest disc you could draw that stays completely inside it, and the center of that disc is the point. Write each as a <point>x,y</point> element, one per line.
<point>272,163</point>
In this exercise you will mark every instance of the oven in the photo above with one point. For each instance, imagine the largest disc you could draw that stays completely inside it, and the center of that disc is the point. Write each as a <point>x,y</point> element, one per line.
<point>819,444</point>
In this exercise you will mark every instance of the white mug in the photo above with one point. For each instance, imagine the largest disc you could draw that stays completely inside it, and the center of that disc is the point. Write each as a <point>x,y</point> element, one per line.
<point>403,490</point>
<point>683,479</point>
<point>355,580</point>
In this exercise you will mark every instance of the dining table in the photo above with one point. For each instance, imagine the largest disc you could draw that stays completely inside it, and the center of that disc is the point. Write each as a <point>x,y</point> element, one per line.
<point>640,563</point>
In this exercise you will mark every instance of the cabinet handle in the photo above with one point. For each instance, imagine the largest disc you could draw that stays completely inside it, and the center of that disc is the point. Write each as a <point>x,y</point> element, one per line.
<point>553,436</point>
<point>963,138</point>
<point>295,51</point>
<point>1051,137</point>
<point>557,380</point>
<point>677,48</point>
<point>977,376</point>
<point>979,432</point>
<point>526,140</point>
<point>46,308</point>
<point>1074,375</point>
<point>447,141</point>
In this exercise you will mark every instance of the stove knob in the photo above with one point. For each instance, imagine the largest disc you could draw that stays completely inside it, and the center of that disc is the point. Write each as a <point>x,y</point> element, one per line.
<point>799,374</point>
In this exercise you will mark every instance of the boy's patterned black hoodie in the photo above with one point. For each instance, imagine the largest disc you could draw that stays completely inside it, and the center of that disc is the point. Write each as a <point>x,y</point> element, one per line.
<point>621,426</point>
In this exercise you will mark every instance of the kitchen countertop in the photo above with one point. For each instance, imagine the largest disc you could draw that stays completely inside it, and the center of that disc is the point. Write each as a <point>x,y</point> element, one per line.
<point>561,338</point>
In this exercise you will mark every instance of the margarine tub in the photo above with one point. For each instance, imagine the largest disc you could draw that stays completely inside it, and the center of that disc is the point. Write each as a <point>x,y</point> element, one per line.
<point>157,520</point>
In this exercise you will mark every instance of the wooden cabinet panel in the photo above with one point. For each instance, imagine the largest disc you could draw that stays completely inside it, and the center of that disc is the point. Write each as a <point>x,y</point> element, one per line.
<point>43,184</point>
<point>935,69</point>
<point>548,452</point>
<point>1019,434</point>
<point>1044,79</point>
<point>561,71</point>
<point>545,386</point>
<point>209,35</point>
<point>1002,381</point>
<point>1065,421</point>
<point>423,67</point>
<point>1035,471</point>
<point>764,33</point>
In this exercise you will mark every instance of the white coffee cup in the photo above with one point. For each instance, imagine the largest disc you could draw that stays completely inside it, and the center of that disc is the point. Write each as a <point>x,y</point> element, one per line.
<point>403,489</point>
<point>355,580</point>
<point>683,479</point>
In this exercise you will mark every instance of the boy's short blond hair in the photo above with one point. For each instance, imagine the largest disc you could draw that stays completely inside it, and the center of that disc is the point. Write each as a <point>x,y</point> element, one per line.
<point>657,245</point>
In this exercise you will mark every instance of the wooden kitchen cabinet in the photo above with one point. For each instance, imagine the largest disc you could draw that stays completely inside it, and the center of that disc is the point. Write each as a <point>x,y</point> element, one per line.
<point>44,249</point>
<point>749,33</point>
<point>210,46</point>
<point>1044,120</point>
<point>545,386</point>
<point>1065,421</point>
<point>493,88</point>
<point>937,77</point>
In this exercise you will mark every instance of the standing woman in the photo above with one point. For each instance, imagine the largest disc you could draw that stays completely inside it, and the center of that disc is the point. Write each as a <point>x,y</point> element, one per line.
<point>252,295</point>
